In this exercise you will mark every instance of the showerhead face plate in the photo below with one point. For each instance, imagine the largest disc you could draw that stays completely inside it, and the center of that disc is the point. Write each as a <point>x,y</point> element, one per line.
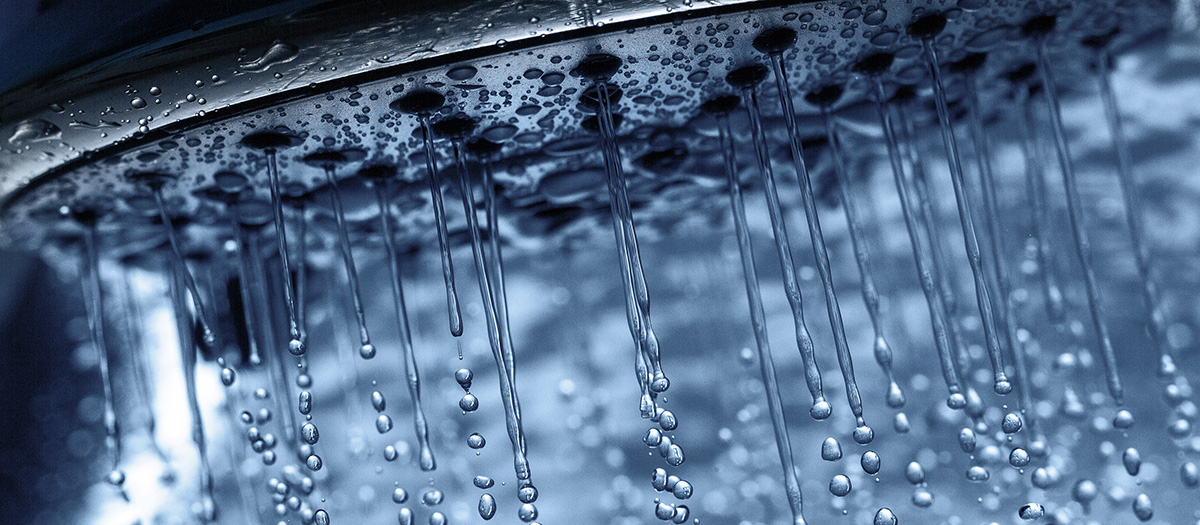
<point>337,88</point>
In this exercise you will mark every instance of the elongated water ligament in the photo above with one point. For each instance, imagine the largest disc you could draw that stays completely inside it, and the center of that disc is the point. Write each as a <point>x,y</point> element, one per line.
<point>1133,217</point>
<point>187,349</point>
<point>774,42</point>
<point>94,307</point>
<point>423,103</point>
<point>277,370</point>
<point>825,98</point>
<point>1038,28</point>
<point>873,66</point>
<point>380,175</point>
<point>926,28</point>
<point>207,337</point>
<point>269,142</point>
<point>296,197</point>
<point>997,249</point>
<point>747,79</point>
<point>658,382</point>
<point>1035,187</point>
<point>652,381</point>
<point>485,150</point>
<point>456,129</point>
<point>721,107</point>
<point>243,272</point>
<point>925,210</point>
<point>327,160</point>
<point>132,328</point>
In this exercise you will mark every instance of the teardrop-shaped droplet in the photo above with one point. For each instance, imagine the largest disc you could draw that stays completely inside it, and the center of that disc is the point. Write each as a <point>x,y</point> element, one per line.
<point>378,401</point>
<point>228,376</point>
<point>487,506</point>
<point>1132,460</point>
<point>674,455</point>
<point>1143,508</point>
<point>966,440</point>
<point>667,420</point>
<point>831,450</point>
<point>915,473</point>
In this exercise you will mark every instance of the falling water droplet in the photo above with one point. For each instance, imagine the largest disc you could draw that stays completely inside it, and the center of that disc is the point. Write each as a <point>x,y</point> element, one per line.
<point>487,506</point>
<point>483,482</point>
<point>1085,491</point>
<point>464,376</point>
<point>1123,420</point>
<point>831,450</point>
<point>978,474</point>
<point>1031,511</point>
<point>914,473</point>
<point>468,403</point>
<point>378,401</point>
<point>667,420</point>
<point>870,462</point>
<point>1018,457</point>
<point>309,433</point>
<point>476,441</point>
<point>1011,423</point>
<point>682,489</point>
<point>1189,474</point>
<point>305,403</point>
<point>884,516</point>
<point>1143,508</point>
<point>399,495</point>
<point>383,423</point>
<point>839,486</point>
<point>1132,460</point>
